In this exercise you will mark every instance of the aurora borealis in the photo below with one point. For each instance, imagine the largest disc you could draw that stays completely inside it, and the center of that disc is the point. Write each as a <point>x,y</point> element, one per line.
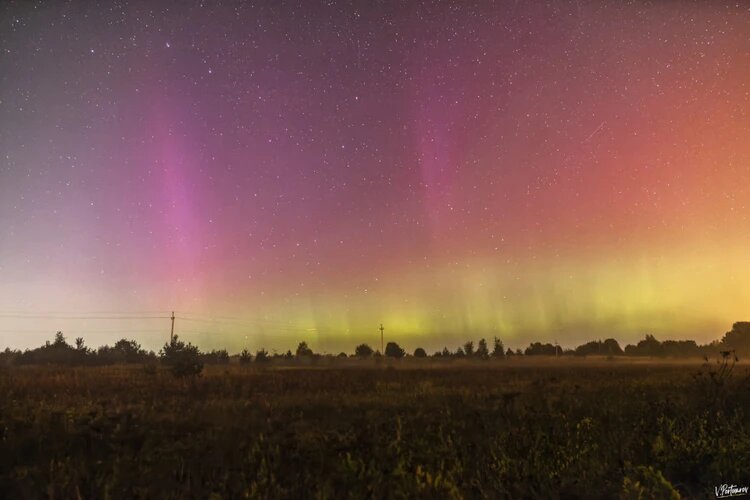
<point>285,171</point>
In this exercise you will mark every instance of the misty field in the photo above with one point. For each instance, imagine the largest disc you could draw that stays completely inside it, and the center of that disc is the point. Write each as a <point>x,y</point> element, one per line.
<point>545,429</point>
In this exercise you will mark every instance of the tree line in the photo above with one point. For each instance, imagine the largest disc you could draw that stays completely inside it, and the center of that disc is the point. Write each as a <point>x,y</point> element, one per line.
<point>186,359</point>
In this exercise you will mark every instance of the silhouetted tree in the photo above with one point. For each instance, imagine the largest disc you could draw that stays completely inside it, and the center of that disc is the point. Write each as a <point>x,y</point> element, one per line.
<point>80,344</point>
<point>393,350</point>
<point>738,338</point>
<point>482,351</point>
<point>680,348</point>
<point>446,353</point>
<point>183,359</point>
<point>9,357</point>
<point>303,350</point>
<point>509,352</point>
<point>469,348</point>
<point>420,353</point>
<point>649,346</point>
<point>220,357</point>
<point>261,356</point>
<point>56,352</point>
<point>609,347</point>
<point>124,351</point>
<point>589,348</point>
<point>539,349</point>
<point>59,340</point>
<point>498,348</point>
<point>612,347</point>
<point>245,357</point>
<point>363,351</point>
<point>129,350</point>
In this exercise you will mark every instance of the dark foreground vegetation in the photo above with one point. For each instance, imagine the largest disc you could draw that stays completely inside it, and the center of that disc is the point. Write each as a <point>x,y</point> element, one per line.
<point>541,427</point>
<point>648,421</point>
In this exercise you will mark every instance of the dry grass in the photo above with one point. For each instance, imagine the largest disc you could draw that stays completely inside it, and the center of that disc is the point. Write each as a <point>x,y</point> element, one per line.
<point>528,428</point>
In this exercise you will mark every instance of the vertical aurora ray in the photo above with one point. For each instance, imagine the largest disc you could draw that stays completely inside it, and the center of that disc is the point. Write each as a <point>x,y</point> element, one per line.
<point>180,237</point>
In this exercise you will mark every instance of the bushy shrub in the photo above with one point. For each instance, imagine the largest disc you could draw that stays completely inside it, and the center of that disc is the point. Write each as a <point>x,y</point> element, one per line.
<point>184,360</point>
<point>220,357</point>
<point>647,482</point>
<point>245,357</point>
<point>57,352</point>
<point>124,351</point>
<point>262,357</point>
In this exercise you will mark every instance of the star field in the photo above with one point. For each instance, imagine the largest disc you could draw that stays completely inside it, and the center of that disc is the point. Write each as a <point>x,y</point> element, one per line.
<point>532,170</point>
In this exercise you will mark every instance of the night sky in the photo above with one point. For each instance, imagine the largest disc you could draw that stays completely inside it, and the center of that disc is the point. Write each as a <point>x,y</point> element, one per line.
<point>280,171</point>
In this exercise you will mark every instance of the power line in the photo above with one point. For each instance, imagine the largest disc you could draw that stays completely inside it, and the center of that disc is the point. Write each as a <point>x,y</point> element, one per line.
<point>195,317</point>
<point>249,324</point>
<point>86,313</point>
<point>208,316</point>
<point>61,316</point>
<point>85,331</point>
<point>222,323</point>
<point>200,320</point>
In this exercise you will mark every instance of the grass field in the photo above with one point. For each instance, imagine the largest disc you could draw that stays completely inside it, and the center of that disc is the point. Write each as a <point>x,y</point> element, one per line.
<point>512,429</point>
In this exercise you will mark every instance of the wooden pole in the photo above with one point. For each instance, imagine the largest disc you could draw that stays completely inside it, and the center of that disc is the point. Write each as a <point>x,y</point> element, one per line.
<point>382,349</point>
<point>171,332</point>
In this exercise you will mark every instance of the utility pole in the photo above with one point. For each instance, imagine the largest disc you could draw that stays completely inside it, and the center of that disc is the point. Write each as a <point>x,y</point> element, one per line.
<point>171,332</point>
<point>382,349</point>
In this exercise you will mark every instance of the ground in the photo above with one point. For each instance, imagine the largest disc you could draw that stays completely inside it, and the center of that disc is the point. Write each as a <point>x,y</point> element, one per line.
<point>542,428</point>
